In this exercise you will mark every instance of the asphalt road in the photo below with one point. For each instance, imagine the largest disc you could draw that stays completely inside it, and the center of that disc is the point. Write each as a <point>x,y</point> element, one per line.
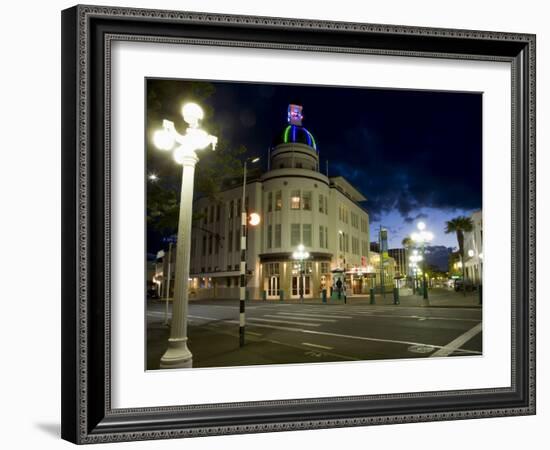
<point>318,332</point>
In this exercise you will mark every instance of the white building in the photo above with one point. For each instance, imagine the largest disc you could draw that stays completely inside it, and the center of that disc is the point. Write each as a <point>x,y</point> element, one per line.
<point>298,205</point>
<point>473,249</point>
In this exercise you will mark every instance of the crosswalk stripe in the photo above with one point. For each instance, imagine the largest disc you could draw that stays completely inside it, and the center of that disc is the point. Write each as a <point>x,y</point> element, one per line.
<point>298,317</point>
<point>321,316</point>
<point>302,324</point>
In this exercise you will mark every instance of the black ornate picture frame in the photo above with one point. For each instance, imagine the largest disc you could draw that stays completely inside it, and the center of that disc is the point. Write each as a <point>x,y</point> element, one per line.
<point>87,35</point>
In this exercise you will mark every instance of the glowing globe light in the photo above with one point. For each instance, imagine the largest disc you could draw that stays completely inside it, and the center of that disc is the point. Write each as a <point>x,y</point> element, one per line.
<point>192,113</point>
<point>254,219</point>
<point>163,140</point>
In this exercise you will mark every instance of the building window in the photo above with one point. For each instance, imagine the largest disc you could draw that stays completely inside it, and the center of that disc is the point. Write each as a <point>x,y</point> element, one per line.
<point>237,240</point>
<point>354,220</point>
<point>306,230</point>
<point>346,242</point>
<point>271,269</point>
<point>295,200</point>
<point>355,245</point>
<point>277,236</point>
<point>205,219</point>
<point>230,241</point>
<point>306,200</point>
<point>325,268</point>
<point>341,242</point>
<point>269,201</point>
<point>321,236</point>
<point>321,203</point>
<point>326,237</point>
<point>326,205</point>
<point>217,244</point>
<point>210,244</point>
<point>231,207</point>
<point>364,248</point>
<point>278,200</point>
<point>218,212</point>
<point>204,245</point>
<point>269,236</point>
<point>211,213</point>
<point>294,234</point>
<point>239,206</point>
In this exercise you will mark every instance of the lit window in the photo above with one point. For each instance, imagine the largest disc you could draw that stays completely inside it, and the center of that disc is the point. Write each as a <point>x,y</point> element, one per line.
<point>278,200</point>
<point>295,200</point>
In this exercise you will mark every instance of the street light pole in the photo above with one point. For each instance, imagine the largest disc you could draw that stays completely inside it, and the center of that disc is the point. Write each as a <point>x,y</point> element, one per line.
<point>167,293</point>
<point>242,284</point>
<point>178,354</point>
<point>422,237</point>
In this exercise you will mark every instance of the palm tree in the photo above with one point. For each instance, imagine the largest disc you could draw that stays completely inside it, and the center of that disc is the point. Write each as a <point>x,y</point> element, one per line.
<point>460,225</point>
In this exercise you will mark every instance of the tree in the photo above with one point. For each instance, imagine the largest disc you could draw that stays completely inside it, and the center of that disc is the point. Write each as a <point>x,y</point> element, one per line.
<point>460,225</point>
<point>217,170</point>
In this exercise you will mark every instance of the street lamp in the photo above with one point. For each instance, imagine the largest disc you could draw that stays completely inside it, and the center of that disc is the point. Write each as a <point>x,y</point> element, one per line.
<point>184,146</point>
<point>422,237</point>
<point>415,258</point>
<point>253,221</point>
<point>300,255</point>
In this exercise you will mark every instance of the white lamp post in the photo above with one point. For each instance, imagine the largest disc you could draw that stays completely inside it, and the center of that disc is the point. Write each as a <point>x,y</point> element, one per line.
<point>415,258</point>
<point>178,354</point>
<point>422,237</point>
<point>300,255</point>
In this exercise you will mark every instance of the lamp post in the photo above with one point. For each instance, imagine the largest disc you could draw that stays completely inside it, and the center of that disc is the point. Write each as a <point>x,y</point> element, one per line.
<point>244,222</point>
<point>178,354</point>
<point>168,281</point>
<point>300,255</point>
<point>415,258</point>
<point>422,237</point>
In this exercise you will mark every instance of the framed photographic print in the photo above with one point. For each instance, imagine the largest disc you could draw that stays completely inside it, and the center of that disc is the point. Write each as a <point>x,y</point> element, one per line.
<point>281,224</point>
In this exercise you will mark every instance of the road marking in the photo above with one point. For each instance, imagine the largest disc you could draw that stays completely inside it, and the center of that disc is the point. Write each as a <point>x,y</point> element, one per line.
<point>301,324</point>
<point>254,333</point>
<point>317,346</point>
<point>362,338</point>
<point>298,317</point>
<point>458,342</point>
<point>315,315</point>
<point>324,333</point>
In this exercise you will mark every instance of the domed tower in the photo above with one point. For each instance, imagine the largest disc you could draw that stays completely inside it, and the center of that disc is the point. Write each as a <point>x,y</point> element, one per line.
<point>295,146</point>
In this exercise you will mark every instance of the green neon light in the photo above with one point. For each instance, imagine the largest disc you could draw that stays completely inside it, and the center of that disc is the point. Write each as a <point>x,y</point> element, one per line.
<point>287,129</point>
<point>313,140</point>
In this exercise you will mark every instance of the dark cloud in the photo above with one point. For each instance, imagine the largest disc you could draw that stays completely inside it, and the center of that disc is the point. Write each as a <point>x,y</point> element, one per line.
<point>404,150</point>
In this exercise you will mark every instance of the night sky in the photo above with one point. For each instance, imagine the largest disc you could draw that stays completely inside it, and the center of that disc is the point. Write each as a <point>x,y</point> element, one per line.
<point>413,154</point>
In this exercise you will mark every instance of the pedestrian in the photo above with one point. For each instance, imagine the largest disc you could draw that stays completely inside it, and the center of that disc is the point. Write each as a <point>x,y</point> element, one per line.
<point>339,287</point>
<point>345,294</point>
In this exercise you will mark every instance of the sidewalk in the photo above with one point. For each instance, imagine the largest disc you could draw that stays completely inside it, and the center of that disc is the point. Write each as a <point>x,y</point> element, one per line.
<point>438,298</point>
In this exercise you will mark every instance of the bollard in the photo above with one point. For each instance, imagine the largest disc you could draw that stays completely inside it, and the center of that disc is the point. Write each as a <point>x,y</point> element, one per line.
<point>324,295</point>
<point>372,301</point>
<point>396,296</point>
<point>281,295</point>
<point>264,295</point>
